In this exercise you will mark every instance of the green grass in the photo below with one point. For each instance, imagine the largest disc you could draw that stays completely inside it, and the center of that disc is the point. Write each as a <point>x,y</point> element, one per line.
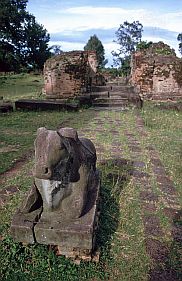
<point>37,262</point>
<point>18,129</point>
<point>120,236</point>
<point>13,87</point>
<point>164,129</point>
<point>165,133</point>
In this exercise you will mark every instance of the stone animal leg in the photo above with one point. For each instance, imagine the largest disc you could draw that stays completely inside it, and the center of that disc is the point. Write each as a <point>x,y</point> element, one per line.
<point>73,205</point>
<point>33,200</point>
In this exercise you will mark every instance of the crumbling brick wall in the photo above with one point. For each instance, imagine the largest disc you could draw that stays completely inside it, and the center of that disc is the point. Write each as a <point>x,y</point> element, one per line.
<point>157,73</point>
<point>69,74</point>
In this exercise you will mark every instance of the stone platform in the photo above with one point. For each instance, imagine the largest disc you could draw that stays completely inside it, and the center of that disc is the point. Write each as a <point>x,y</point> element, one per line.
<point>45,105</point>
<point>5,106</point>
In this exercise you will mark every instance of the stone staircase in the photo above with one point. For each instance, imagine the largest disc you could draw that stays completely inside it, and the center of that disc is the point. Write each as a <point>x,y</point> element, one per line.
<point>114,95</point>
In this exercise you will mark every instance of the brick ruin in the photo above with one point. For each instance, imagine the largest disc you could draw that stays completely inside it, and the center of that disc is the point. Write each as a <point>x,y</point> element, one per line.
<point>70,74</point>
<point>156,73</point>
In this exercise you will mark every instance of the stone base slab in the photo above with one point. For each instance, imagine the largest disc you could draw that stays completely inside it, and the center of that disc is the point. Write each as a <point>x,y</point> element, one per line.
<point>22,226</point>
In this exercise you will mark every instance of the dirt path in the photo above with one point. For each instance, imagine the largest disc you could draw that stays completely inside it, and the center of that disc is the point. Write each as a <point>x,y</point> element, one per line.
<point>17,166</point>
<point>6,193</point>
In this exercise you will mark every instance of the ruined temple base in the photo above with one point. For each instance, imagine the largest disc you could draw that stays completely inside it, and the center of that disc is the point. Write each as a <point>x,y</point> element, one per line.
<point>72,238</point>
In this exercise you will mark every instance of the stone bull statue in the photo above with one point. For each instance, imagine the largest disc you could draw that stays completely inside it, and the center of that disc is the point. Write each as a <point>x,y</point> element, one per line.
<point>64,168</point>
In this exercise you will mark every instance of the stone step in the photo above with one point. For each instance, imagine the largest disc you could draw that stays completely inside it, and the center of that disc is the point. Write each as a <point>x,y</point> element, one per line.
<point>118,97</point>
<point>115,95</point>
<point>98,94</point>
<point>115,108</point>
<point>111,100</point>
<point>53,97</point>
<point>109,93</point>
<point>115,83</point>
<point>123,88</point>
<point>110,104</point>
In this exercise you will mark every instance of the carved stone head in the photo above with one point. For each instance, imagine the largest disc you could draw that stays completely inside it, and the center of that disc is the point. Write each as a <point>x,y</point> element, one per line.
<point>56,152</point>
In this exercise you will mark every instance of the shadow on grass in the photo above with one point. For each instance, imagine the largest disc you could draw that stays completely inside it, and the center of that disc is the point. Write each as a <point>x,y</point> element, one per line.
<point>116,174</point>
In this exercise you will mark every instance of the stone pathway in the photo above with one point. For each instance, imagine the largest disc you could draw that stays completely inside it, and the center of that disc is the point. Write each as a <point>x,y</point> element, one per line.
<point>104,131</point>
<point>149,198</point>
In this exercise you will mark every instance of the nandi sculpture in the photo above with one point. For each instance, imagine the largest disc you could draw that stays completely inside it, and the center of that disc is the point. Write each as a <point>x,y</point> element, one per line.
<point>64,165</point>
<point>61,206</point>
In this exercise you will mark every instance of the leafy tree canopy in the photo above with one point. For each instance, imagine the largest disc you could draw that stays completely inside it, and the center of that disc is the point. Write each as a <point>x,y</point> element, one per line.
<point>23,41</point>
<point>128,37</point>
<point>36,50</point>
<point>94,44</point>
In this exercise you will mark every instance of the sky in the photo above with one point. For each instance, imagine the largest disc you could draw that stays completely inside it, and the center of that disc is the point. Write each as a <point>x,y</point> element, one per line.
<point>71,23</point>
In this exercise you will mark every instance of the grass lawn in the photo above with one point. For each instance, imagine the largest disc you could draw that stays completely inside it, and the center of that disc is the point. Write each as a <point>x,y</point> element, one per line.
<point>165,133</point>
<point>18,86</point>
<point>121,236</point>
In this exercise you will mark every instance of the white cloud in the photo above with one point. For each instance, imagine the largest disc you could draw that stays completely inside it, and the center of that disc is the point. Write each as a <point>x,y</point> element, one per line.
<point>74,20</point>
<point>84,18</point>
<point>68,46</point>
<point>173,21</point>
<point>88,17</point>
<point>89,10</point>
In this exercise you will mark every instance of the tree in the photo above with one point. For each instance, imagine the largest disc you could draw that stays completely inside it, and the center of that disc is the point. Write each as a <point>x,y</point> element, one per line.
<point>128,37</point>
<point>12,14</point>
<point>23,41</point>
<point>36,50</point>
<point>125,66</point>
<point>94,44</point>
<point>179,38</point>
<point>8,60</point>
